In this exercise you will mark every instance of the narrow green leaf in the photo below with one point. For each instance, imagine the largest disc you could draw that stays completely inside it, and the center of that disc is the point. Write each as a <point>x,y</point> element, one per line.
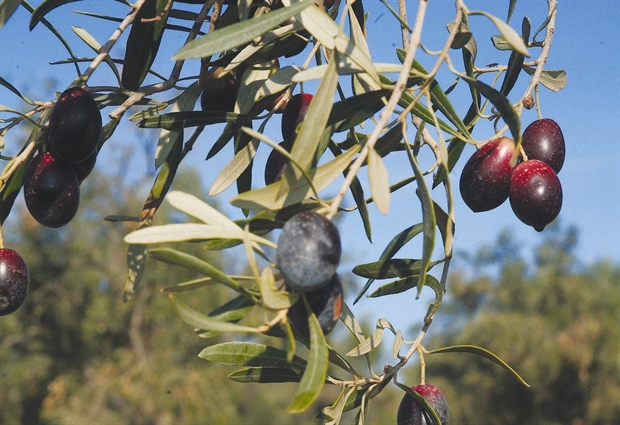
<point>234,168</point>
<point>481,352</point>
<point>190,285</point>
<point>331,414</point>
<point>238,34</point>
<point>511,9</point>
<point>143,42</point>
<point>265,375</point>
<point>251,354</point>
<point>313,379</point>
<point>233,311</point>
<point>462,36</point>
<point>392,248</point>
<point>515,63</point>
<point>553,80</point>
<point>348,318</point>
<point>309,136</point>
<point>510,35</point>
<point>379,181</point>
<point>44,8</point>
<point>202,321</point>
<point>405,284</point>
<point>428,225</point>
<point>10,86</point>
<point>502,104</point>
<point>94,44</point>
<point>165,143</point>
<point>354,110</point>
<point>10,191</point>
<point>369,344</point>
<point>197,208</point>
<point>181,120</point>
<point>7,8</point>
<point>387,269</point>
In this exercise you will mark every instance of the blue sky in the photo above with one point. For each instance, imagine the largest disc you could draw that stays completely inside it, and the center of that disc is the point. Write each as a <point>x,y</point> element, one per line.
<point>586,45</point>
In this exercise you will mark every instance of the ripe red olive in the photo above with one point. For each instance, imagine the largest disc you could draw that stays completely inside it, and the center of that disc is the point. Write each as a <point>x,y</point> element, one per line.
<point>219,94</point>
<point>51,190</point>
<point>535,193</point>
<point>325,303</point>
<point>14,281</point>
<point>75,126</point>
<point>485,181</point>
<point>276,164</point>
<point>543,140</point>
<point>411,413</point>
<point>308,251</point>
<point>294,114</point>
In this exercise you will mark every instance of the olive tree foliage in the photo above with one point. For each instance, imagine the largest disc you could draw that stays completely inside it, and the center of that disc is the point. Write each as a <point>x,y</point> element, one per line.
<point>362,112</point>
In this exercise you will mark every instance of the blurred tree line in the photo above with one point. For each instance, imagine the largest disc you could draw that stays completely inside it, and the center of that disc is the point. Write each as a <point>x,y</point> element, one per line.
<point>75,354</point>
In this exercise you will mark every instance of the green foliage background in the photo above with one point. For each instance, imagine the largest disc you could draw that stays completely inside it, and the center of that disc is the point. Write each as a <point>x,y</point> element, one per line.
<point>74,353</point>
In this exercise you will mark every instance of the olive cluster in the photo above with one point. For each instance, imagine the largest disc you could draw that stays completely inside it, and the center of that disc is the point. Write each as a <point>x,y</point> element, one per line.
<point>52,179</point>
<point>532,186</point>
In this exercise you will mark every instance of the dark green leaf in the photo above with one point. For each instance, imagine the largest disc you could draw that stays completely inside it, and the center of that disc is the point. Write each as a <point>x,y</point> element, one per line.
<point>502,104</point>
<point>428,225</point>
<point>405,284</point>
<point>392,248</point>
<point>180,120</point>
<point>136,261</point>
<point>395,267</point>
<point>511,9</point>
<point>355,110</point>
<point>10,191</point>
<point>251,354</point>
<point>516,61</point>
<point>462,36</point>
<point>44,8</point>
<point>500,43</point>
<point>233,311</point>
<point>481,352</point>
<point>10,86</point>
<point>423,403</point>
<point>265,375</point>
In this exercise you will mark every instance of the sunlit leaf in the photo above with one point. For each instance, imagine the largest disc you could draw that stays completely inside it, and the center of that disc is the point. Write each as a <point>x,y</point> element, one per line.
<point>554,80</point>
<point>379,182</point>
<point>369,344</point>
<point>271,296</point>
<point>348,318</point>
<point>238,34</point>
<point>323,176</point>
<point>202,321</point>
<point>233,311</point>
<point>197,208</point>
<point>510,35</point>
<point>252,355</point>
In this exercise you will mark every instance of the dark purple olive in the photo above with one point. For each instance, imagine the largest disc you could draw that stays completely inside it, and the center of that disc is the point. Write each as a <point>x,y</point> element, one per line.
<point>276,165</point>
<point>75,126</point>
<point>325,303</point>
<point>84,168</point>
<point>219,94</point>
<point>294,114</point>
<point>14,281</point>
<point>543,140</point>
<point>535,193</point>
<point>485,181</point>
<point>308,251</point>
<point>411,413</point>
<point>51,190</point>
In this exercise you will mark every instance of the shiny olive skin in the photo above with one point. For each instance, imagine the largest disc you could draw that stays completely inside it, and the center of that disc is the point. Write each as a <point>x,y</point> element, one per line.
<point>75,126</point>
<point>411,413</point>
<point>14,281</point>
<point>485,180</point>
<point>51,190</point>
<point>535,193</point>
<point>543,140</point>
